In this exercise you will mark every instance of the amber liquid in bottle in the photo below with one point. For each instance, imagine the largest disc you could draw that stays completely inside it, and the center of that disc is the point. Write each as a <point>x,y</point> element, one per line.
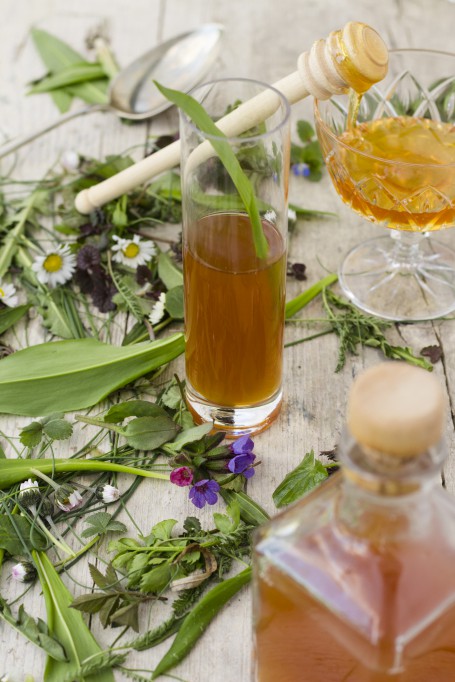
<point>358,609</point>
<point>415,195</point>
<point>234,310</point>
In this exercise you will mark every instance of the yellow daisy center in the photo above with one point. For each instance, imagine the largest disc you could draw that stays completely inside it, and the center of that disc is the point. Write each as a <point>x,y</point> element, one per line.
<point>53,263</point>
<point>131,250</point>
<point>2,293</point>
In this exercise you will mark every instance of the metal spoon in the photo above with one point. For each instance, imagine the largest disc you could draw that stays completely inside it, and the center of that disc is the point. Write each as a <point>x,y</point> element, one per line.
<point>180,63</point>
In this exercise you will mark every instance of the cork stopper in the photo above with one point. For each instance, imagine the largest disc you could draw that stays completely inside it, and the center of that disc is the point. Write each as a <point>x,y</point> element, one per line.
<point>359,55</point>
<point>396,409</point>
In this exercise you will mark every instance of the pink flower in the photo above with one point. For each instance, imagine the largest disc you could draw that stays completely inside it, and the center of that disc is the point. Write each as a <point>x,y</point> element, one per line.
<point>182,476</point>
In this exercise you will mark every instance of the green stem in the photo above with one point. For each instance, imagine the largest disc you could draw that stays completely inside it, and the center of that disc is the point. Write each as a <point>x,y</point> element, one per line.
<point>61,544</point>
<point>13,236</point>
<point>300,301</point>
<point>99,422</point>
<point>308,338</point>
<point>43,476</point>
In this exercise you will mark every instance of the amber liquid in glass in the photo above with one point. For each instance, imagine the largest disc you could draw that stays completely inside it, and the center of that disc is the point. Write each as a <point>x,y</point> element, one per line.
<point>377,616</point>
<point>376,182</point>
<point>234,311</point>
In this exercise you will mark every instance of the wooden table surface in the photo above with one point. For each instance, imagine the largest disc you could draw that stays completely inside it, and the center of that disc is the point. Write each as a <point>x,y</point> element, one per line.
<point>263,41</point>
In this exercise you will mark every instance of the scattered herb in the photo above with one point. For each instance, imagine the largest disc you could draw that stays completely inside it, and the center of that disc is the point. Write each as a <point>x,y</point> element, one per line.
<point>306,476</point>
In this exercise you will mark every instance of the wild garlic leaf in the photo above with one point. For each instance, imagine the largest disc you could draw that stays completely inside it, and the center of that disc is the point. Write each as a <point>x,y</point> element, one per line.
<point>102,523</point>
<point>199,116</point>
<point>306,476</point>
<point>148,433</point>
<point>69,75</point>
<point>70,375</point>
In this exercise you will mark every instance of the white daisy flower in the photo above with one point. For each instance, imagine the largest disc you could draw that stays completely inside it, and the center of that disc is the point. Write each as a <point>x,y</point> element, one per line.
<point>8,295</point>
<point>133,252</point>
<point>68,498</point>
<point>157,313</point>
<point>55,267</point>
<point>29,493</point>
<point>107,493</point>
<point>23,572</point>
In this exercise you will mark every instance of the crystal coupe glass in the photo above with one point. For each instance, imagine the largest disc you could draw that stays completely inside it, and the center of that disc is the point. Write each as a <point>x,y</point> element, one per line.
<point>396,167</point>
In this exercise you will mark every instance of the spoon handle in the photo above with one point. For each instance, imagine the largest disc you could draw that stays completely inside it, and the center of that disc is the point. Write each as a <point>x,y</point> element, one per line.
<point>355,56</point>
<point>10,147</point>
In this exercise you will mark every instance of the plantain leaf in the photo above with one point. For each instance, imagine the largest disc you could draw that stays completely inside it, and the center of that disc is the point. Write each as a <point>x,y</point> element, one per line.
<point>9,316</point>
<point>68,626</point>
<point>70,375</point>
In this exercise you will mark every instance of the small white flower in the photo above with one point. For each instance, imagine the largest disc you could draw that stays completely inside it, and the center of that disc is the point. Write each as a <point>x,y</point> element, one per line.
<point>157,313</point>
<point>8,294</point>
<point>70,160</point>
<point>133,252</point>
<point>29,494</point>
<point>270,216</point>
<point>292,215</point>
<point>55,267</point>
<point>29,484</point>
<point>23,572</point>
<point>107,493</point>
<point>67,498</point>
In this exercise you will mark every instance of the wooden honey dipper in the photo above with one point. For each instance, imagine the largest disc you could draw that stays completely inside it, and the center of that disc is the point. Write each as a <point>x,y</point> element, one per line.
<point>353,57</point>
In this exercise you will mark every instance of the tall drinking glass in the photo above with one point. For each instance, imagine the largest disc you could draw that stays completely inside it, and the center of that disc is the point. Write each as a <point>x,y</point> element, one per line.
<point>234,297</point>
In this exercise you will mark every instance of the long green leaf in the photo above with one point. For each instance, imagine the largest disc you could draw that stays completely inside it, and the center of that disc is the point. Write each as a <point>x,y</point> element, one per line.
<point>9,316</point>
<point>306,476</point>
<point>300,301</point>
<point>198,620</point>
<point>168,272</point>
<point>218,140</point>
<point>69,375</point>
<point>76,73</point>
<point>67,625</point>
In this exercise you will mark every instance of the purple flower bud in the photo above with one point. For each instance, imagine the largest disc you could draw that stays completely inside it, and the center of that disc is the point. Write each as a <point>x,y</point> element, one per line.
<point>182,476</point>
<point>204,492</point>
<point>302,169</point>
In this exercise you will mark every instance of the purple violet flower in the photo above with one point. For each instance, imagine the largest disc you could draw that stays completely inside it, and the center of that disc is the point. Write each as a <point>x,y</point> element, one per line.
<point>242,464</point>
<point>302,169</point>
<point>203,492</point>
<point>181,476</point>
<point>242,445</point>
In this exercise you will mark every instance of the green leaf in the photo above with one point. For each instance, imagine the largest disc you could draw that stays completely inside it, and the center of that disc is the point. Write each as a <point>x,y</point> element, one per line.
<point>58,429</point>
<point>163,529</point>
<point>133,408</point>
<point>128,296</point>
<point>16,531</point>
<point>300,301</point>
<point>189,436</point>
<point>301,480</point>
<point>9,316</point>
<point>70,375</point>
<point>223,523</point>
<point>250,511</point>
<point>67,625</point>
<point>127,615</point>
<point>119,216</point>
<point>307,213</point>
<point>174,303</point>
<point>218,140</point>
<point>102,523</point>
<point>198,620</point>
<point>305,131</point>
<point>90,603</point>
<point>148,433</point>
<point>35,631</point>
<point>31,435</point>
<point>158,578</point>
<point>60,314</point>
<point>70,75</point>
<point>168,272</point>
